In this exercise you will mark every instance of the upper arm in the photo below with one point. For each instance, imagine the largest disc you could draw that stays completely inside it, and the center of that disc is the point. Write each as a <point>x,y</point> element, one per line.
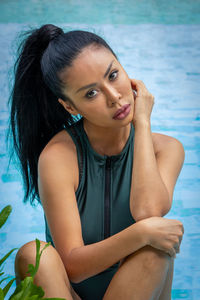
<point>57,180</point>
<point>170,156</point>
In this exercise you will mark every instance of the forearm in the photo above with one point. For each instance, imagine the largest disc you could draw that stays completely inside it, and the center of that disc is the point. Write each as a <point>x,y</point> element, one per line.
<point>148,194</point>
<point>92,259</point>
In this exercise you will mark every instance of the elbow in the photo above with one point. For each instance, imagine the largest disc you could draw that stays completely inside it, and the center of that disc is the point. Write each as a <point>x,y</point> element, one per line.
<point>140,213</point>
<point>74,280</point>
<point>74,269</point>
<point>74,274</point>
<point>144,214</point>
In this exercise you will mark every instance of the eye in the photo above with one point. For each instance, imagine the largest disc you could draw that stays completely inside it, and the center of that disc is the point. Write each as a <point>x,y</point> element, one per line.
<point>91,94</point>
<point>113,75</point>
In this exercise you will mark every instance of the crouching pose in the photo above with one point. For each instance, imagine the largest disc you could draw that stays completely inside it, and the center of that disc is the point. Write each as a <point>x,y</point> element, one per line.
<point>81,129</point>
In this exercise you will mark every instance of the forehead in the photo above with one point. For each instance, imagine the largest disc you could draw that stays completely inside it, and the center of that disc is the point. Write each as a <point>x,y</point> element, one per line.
<point>87,67</point>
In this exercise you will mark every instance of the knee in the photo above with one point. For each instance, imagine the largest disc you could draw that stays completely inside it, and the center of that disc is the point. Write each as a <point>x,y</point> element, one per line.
<point>154,259</point>
<point>150,259</point>
<point>27,255</point>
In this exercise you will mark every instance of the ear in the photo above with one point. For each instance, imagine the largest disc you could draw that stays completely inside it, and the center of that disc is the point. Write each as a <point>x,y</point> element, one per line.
<point>69,107</point>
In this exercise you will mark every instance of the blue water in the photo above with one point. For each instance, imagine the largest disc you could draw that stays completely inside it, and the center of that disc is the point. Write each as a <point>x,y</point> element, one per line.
<point>157,43</point>
<point>101,12</point>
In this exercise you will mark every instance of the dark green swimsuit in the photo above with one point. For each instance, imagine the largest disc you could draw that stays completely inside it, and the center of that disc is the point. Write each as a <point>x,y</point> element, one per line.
<point>103,201</point>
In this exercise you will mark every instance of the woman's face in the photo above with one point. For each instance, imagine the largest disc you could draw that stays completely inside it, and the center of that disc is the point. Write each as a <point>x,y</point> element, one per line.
<point>98,86</point>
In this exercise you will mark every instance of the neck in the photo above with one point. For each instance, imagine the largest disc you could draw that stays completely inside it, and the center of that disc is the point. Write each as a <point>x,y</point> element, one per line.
<point>107,141</point>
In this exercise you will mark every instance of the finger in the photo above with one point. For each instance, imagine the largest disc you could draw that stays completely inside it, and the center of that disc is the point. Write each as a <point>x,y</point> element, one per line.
<point>133,85</point>
<point>176,248</point>
<point>139,86</point>
<point>136,86</point>
<point>172,252</point>
<point>172,255</point>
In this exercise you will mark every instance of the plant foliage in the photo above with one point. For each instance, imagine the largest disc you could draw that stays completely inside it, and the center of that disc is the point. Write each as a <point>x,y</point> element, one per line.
<point>26,290</point>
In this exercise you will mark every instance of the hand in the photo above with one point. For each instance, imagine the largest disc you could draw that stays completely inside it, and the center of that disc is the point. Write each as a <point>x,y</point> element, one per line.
<point>144,101</point>
<point>163,234</point>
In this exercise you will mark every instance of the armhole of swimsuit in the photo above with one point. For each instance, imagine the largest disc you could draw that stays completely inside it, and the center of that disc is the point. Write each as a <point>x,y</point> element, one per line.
<point>78,145</point>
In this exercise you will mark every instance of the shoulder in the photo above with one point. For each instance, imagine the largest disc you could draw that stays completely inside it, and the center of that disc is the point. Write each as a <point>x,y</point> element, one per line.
<point>169,154</point>
<point>59,157</point>
<point>61,142</point>
<point>165,143</point>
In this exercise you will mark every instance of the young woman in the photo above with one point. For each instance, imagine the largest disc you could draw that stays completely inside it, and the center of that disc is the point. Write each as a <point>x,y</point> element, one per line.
<point>105,181</point>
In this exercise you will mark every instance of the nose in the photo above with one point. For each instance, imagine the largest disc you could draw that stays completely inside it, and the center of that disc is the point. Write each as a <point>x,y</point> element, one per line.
<point>112,95</point>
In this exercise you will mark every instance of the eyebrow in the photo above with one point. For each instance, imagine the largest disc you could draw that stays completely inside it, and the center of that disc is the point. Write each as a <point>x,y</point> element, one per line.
<point>93,84</point>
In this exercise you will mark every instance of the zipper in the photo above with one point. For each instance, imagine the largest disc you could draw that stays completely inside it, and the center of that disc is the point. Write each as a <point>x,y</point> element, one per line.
<point>107,198</point>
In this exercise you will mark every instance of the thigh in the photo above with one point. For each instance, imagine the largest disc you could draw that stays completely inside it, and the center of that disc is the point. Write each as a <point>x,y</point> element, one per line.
<point>141,275</point>
<point>166,292</point>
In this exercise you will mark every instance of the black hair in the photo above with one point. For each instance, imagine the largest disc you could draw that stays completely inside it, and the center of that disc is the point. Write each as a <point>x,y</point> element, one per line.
<point>36,114</point>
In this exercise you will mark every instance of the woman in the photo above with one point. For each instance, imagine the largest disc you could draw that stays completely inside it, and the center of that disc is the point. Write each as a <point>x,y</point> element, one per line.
<point>105,181</point>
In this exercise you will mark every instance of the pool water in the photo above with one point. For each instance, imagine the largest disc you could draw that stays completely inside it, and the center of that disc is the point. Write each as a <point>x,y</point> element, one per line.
<point>157,42</point>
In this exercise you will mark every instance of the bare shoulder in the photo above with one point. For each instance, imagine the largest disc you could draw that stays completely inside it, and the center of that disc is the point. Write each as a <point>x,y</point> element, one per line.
<point>169,154</point>
<point>60,156</point>
<point>58,178</point>
<point>166,143</point>
<point>61,140</point>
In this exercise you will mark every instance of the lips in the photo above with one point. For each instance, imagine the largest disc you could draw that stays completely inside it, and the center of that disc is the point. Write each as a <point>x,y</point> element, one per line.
<point>121,110</point>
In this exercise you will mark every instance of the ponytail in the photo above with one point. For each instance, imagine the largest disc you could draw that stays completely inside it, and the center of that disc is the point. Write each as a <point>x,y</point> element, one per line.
<point>36,115</point>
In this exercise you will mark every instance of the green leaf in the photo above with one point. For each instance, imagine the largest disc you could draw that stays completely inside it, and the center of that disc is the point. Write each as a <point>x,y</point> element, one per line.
<point>35,297</point>
<point>47,245</point>
<point>23,289</point>
<point>4,279</point>
<point>1,274</point>
<point>54,298</point>
<point>7,287</point>
<point>26,290</point>
<point>38,255</point>
<point>33,269</point>
<point>1,294</point>
<point>6,256</point>
<point>35,290</point>
<point>4,214</point>
<point>18,289</point>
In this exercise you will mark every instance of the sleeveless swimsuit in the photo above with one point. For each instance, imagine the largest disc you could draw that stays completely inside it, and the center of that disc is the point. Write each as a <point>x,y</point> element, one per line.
<point>103,201</point>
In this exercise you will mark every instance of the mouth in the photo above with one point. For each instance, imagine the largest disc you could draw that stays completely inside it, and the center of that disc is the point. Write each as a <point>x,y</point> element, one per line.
<point>122,112</point>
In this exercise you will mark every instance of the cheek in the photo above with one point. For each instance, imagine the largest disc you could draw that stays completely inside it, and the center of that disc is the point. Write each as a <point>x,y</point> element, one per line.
<point>125,84</point>
<point>88,110</point>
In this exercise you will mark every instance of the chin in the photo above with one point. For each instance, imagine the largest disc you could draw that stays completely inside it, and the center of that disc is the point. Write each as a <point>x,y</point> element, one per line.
<point>130,116</point>
<point>126,121</point>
